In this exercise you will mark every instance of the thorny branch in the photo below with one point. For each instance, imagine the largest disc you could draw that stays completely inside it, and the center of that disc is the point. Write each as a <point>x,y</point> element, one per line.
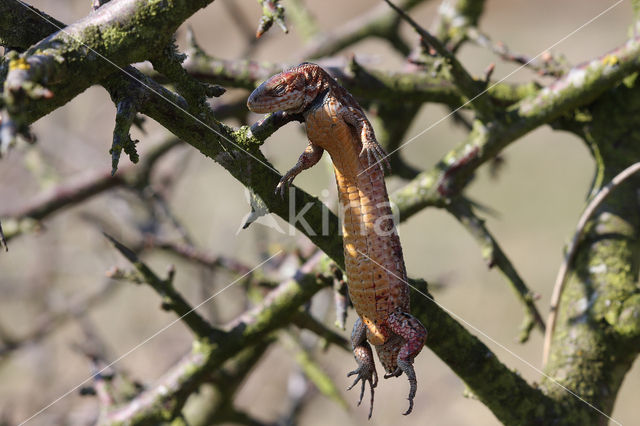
<point>525,108</point>
<point>171,299</point>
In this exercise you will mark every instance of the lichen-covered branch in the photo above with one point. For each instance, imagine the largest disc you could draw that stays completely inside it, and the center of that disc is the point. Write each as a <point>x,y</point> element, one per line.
<point>579,87</point>
<point>364,83</point>
<point>545,64</point>
<point>105,33</point>
<point>162,401</point>
<point>572,249</point>
<point>599,312</point>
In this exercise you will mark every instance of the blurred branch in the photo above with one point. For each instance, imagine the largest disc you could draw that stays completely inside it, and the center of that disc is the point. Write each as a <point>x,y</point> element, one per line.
<point>171,299</point>
<point>194,254</point>
<point>394,121</point>
<point>249,329</point>
<point>494,256</point>
<point>77,190</point>
<point>303,19</point>
<point>305,320</point>
<point>455,19</point>
<point>313,371</point>
<point>3,240</point>
<point>47,323</point>
<point>228,382</point>
<point>379,22</point>
<point>545,64</point>
<point>242,24</point>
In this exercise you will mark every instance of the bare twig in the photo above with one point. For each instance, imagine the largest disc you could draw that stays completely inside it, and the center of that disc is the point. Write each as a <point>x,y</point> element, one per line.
<point>494,256</point>
<point>194,254</point>
<point>3,241</point>
<point>272,12</point>
<point>572,249</point>
<point>307,321</point>
<point>171,299</point>
<point>545,65</point>
<point>470,88</point>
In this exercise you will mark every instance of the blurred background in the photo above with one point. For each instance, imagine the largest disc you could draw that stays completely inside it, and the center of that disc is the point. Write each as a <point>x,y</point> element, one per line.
<point>537,198</point>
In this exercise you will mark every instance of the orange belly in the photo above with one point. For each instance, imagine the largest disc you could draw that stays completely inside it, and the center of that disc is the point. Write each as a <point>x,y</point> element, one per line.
<point>373,257</point>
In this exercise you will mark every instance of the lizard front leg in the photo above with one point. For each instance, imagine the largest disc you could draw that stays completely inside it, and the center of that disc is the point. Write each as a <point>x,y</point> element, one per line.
<point>364,131</point>
<point>309,158</point>
<point>366,370</point>
<point>414,335</point>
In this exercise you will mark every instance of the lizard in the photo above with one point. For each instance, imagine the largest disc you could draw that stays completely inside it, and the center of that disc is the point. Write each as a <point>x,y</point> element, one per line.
<point>374,264</point>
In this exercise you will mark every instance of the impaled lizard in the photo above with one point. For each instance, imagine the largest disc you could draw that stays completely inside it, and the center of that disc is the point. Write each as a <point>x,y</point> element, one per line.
<point>376,275</point>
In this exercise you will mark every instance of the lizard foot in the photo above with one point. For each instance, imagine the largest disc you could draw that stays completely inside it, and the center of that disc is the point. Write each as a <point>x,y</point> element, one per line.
<point>284,183</point>
<point>365,374</point>
<point>375,155</point>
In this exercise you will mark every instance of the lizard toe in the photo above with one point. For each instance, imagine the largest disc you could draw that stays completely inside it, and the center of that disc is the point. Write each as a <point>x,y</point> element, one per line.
<point>364,375</point>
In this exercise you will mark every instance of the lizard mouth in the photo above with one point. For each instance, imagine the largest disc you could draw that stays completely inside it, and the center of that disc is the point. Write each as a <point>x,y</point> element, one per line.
<point>256,106</point>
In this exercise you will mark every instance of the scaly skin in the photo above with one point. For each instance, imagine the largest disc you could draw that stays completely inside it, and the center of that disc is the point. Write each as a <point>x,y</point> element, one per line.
<point>376,274</point>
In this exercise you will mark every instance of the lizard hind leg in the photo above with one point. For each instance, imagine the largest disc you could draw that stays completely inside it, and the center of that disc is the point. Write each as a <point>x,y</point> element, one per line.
<point>366,371</point>
<point>415,335</point>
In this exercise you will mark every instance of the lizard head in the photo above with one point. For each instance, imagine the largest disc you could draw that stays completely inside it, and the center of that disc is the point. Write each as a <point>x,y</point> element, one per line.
<point>291,90</point>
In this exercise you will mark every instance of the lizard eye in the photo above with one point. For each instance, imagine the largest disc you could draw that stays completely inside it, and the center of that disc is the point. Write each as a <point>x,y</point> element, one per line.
<point>279,90</point>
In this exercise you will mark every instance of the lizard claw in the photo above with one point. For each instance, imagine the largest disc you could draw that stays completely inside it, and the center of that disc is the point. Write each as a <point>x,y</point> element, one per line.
<point>396,373</point>
<point>406,367</point>
<point>284,184</point>
<point>375,154</point>
<point>365,374</point>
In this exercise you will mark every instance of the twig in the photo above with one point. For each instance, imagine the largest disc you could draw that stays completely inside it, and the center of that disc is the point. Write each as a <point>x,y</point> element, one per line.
<point>379,22</point>
<point>272,11</point>
<point>171,299</point>
<point>494,256</point>
<point>228,382</point>
<point>3,241</point>
<point>547,65</point>
<point>190,252</point>
<point>571,252</point>
<point>306,321</point>
<point>314,372</point>
<point>469,87</point>
<point>394,120</point>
